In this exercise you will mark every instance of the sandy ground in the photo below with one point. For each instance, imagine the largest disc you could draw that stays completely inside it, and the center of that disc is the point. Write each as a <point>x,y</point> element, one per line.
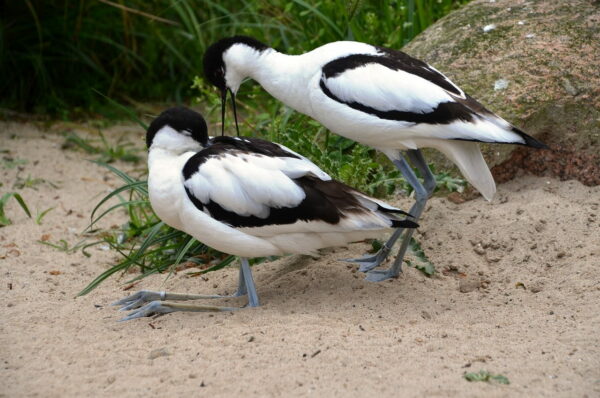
<point>517,294</point>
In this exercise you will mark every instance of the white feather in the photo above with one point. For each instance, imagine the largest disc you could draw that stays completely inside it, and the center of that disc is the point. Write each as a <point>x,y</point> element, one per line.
<point>175,142</point>
<point>298,167</point>
<point>467,156</point>
<point>385,89</point>
<point>247,184</point>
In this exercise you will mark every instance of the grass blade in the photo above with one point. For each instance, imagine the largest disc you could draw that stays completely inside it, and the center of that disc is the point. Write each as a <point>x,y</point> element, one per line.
<point>126,111</point>
<point>4,220</point>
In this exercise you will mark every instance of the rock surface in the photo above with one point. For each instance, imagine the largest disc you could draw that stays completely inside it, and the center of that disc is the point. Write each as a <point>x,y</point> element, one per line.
<point>535,63</point>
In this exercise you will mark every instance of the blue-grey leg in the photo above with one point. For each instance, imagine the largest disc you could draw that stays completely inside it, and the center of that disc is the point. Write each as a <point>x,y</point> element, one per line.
<point>249,282</point>
<point>422,193</point>
<point>147,303</point>
<point>417,159</point>
<point>142,297</point>
<point>367,263</point>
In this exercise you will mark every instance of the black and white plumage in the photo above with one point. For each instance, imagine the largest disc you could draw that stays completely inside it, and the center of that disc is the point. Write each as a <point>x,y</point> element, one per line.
<point>250,197</point>
<point>380,97</point>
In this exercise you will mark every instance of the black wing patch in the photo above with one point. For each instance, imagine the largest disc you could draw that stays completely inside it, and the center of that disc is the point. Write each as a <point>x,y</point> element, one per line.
<point>444,113</point>
<point>395,60</point>
<point>325,201</point>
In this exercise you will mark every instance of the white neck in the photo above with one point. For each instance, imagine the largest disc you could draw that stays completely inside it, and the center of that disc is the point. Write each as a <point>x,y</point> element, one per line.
<point>283,76</point>
<point>289,78</point>
<point>165,183</point>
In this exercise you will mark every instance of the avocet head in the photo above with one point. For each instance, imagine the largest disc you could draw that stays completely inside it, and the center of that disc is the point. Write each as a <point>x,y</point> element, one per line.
<point>178,129</point>
<point>225,66</point>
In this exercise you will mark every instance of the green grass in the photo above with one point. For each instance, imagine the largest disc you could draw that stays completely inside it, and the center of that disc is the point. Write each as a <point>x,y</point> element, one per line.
<point>41,214</point>
<point>421,262</point>
<point>107,152</point>
<point>61,53</point>
<point>11,163</point>
<point>146,242</point>
<point>64,246</point>
<point>4,220</point>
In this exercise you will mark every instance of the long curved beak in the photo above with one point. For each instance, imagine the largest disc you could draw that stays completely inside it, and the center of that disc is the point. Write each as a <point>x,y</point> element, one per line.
<point>237,128</point>
<point>223,102</point>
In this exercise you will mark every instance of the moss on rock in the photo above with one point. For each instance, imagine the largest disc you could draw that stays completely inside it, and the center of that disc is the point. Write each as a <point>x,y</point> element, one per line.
<point>547,51</point>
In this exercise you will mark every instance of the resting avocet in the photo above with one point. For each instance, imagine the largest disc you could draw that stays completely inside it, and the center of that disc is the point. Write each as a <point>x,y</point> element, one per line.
<point>248,197</point>
<point>379,97</point>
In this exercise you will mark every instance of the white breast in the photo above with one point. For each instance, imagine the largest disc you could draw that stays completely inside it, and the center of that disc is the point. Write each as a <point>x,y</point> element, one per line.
<point>165,185</point>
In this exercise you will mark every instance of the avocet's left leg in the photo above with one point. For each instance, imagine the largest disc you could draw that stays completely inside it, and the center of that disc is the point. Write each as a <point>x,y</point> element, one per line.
<point>367,263</point>
<point>143,297</point>
<point>417,159</point>
<point>249,282</point>
<point>422,193</point>
<point>156,303</point>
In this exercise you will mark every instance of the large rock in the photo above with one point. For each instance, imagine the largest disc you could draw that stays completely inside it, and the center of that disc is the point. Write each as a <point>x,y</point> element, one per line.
<point>537,64</point>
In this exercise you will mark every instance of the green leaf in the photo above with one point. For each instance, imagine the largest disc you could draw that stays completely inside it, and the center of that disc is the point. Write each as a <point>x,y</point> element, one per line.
<point>485,376</point>
<point>422,264</point>
<point>127,111</point>
<point>40,216</point>
<point>4,220</point>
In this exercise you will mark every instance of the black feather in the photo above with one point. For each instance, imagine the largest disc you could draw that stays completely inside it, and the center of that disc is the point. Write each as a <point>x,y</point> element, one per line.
<point>529,140</point>
<point>444,113</point>
<point>404,224</point>
<point>179,118</point>
<point>219,146</point>
<point>214,67</point>
<point>392,59</point>
<point>325,201</point>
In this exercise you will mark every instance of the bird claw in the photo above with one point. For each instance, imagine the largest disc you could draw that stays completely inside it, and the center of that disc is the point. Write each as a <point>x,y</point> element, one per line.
<point>367,263</point>
<point>152,308</point>
<point>138,299</point>
<point>381,275</point>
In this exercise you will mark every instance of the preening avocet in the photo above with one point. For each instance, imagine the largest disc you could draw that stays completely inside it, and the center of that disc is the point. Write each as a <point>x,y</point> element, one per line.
<point>248,197</point>
<point>380,97</point>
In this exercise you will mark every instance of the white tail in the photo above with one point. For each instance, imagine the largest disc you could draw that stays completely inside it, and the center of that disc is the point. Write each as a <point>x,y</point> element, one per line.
<point>467,156</point>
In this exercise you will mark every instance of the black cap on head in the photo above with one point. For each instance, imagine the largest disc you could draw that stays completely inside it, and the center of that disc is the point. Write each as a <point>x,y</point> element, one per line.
<point>214,67</point>
<point>179,118</point>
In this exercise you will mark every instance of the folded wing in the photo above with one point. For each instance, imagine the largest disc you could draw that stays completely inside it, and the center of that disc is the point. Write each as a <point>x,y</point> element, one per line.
<point>254,184</point>
<point>394,86</point>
